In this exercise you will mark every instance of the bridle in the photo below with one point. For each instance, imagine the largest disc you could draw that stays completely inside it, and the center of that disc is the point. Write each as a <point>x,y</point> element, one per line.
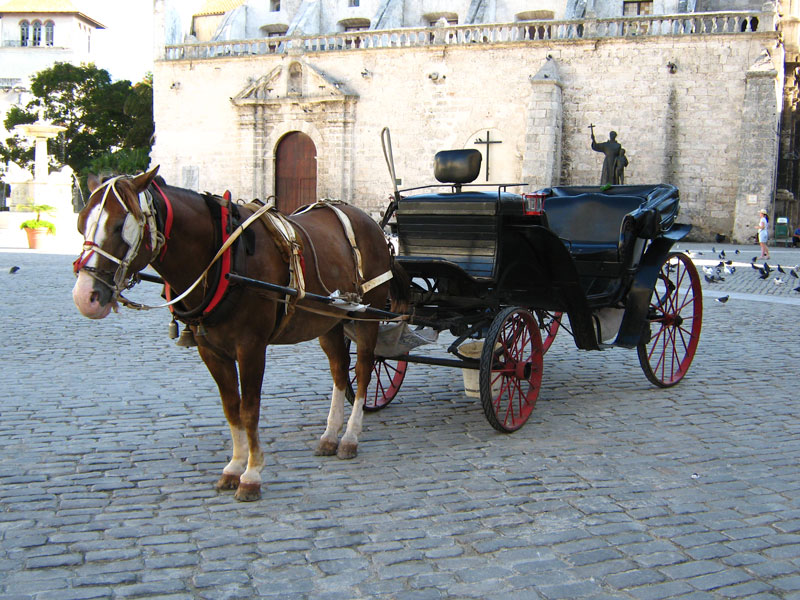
<point>135,230</point>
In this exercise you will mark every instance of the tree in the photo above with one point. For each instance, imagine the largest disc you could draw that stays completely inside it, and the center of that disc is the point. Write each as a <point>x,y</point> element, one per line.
<point>101,118</point>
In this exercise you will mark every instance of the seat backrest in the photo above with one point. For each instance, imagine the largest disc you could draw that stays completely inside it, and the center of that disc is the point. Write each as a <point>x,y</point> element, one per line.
<point>590,219</point>
<point>460,228</point>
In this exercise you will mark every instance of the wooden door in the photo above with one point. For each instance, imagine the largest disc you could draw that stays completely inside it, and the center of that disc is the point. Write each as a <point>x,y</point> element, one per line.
<point>295,172</point>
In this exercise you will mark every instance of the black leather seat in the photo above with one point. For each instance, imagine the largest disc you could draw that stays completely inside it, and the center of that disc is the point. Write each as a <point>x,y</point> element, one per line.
<point>591,224</point>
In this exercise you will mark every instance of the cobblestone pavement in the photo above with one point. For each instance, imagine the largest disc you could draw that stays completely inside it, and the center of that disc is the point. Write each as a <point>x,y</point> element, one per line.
<point>111,439</point>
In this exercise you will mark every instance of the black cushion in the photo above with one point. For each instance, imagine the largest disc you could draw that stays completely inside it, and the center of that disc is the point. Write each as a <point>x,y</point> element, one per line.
<point>457,166</point>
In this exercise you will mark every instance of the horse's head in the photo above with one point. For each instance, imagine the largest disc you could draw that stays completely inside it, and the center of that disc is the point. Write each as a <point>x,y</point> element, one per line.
<point>120,238</point>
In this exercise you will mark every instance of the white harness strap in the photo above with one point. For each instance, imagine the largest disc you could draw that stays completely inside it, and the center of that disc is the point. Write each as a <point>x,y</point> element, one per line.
<point>365,286</point>
<point>286,230</point>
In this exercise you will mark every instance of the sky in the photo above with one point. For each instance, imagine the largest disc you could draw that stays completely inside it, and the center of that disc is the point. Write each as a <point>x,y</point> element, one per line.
<point>125,47</point>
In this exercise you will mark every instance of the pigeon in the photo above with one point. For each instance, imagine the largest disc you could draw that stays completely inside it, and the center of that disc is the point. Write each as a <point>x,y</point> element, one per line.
<point>754,266</point>
<point>730,270</point>
<point>711,279</point>
<point>736,251</point>
<point>14,269</point>
<point>722,254</point>
<point>723,299</point>
<point>709,270</point>
<point>780,270</point>
<point>767,268</point>
<point>728,262</point>
<point>720,264</point>
<point>793,273</point>
<point>754,259</point>
<point>764,274</point>
<point>713,249</point>
<point>797,289</point>
<point>778,281</point>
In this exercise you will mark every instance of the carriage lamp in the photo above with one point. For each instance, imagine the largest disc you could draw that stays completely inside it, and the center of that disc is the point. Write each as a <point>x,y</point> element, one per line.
<point>672,67</point>
<point>533,204</point>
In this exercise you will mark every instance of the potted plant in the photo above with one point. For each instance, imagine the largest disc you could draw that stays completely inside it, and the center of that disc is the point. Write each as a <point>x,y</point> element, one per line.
<point>37,228</point>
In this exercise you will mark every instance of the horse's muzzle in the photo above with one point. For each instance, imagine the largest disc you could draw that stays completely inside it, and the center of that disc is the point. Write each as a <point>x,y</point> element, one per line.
<point>92,298</point>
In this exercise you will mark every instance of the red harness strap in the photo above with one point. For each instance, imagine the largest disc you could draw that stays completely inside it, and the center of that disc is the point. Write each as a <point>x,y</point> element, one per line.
<point>225,260</point>
<point>223,284</point>
<point>167,221</point>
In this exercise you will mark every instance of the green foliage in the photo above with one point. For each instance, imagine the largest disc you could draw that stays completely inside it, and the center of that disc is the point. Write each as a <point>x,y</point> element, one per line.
<point>38,223</point>
<point>101,117</point>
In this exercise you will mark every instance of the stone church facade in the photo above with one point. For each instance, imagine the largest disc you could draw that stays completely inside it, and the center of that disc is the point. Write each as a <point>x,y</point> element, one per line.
<point>701,100</point>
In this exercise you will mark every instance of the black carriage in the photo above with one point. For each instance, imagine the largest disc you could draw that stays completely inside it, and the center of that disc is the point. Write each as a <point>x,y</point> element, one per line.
<point>489,263</point>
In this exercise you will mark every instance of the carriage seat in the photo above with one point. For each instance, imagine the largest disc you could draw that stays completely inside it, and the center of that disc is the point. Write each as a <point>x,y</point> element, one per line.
<point>457,227</point>
<point>590,223</point>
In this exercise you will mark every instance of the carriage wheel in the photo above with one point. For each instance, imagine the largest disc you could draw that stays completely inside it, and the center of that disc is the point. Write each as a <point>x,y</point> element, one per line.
<point>548,324</point>
<point>511,369</point>
<point>387,377</point>
<point>675,319</point>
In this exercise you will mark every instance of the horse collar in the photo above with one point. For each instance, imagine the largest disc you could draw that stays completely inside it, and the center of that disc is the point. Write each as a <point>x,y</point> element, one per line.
<point>225,218</point>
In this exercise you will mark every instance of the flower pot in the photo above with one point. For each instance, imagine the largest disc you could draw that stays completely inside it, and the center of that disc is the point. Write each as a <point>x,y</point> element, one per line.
<point>36,237</point>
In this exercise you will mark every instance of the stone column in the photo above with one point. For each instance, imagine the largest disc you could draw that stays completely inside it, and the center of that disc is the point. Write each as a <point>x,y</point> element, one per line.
<point>541,163</point>
<point>759,147</point>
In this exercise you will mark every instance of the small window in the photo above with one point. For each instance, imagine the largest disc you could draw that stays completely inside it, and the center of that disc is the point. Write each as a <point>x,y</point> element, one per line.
<point>353,3</point>
<point>356,28</point>
<point>275,5</point>
<point>636,8</point>
<point>24,33</point>
<point>37,33</point>
<point>48,33</point>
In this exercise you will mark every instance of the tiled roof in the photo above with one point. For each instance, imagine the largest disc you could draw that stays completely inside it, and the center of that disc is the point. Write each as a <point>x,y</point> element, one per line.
<point>45,6</point>
<point>218,7</point>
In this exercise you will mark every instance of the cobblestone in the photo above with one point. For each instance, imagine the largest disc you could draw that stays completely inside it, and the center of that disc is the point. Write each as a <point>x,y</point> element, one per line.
<point>613,489</point>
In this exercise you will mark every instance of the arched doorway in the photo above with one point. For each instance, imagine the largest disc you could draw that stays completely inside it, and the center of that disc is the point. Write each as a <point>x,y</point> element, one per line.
<point>295,172</point>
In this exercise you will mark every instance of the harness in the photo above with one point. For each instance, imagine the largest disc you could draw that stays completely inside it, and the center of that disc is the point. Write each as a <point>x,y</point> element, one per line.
<point>226,218</point>
<point>153,229</point>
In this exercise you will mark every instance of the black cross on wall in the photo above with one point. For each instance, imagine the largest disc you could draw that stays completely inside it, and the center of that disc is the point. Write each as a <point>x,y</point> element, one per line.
<point>488,141</point>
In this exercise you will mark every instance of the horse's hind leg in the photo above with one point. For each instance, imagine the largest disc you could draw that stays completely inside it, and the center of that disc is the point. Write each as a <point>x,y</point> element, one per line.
<point>223,371</point>
<point>334,346</point>
<point>366,334</point>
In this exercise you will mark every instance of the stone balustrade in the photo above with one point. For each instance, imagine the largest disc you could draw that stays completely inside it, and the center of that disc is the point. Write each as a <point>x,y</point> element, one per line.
<point>739,22</point>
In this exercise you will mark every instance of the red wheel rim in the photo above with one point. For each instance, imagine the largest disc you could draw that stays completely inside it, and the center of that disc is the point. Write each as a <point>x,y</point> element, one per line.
<point>549,324</point>
<point>676,317</point>
<point>387,377</point>
<point>510,387</point>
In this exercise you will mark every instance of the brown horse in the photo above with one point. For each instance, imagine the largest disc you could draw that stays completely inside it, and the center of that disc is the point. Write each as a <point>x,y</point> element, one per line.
<point>130,222</point>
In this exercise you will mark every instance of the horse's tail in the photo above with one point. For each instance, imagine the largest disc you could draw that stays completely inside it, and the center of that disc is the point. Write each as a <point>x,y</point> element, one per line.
<point>399,288</point>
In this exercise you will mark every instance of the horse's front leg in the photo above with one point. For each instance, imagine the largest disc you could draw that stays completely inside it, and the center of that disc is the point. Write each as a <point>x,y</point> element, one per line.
<point>333,345</point>
<point>251,375</point>
<point>223,370</point>
<point>366,334</point>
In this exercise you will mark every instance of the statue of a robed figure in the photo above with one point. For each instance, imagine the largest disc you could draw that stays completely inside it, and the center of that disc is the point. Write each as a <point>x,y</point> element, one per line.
<point>615,160</point>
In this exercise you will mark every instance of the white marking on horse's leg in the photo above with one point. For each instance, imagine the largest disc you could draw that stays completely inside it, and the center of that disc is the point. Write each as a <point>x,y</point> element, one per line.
<point>252,476</point>
<point>348,446</point>
<point>238,462</point>
<point>330,439</point>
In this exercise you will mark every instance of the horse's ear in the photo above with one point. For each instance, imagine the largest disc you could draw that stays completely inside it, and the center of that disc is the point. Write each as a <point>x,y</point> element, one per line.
<point>141,182</point>
<point>92,182</point>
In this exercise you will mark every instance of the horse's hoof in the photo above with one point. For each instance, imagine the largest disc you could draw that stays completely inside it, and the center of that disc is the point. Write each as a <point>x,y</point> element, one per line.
<point>347,450</point>
<point>326,448</point>
<point>248,492</point>
<point>227,482</point>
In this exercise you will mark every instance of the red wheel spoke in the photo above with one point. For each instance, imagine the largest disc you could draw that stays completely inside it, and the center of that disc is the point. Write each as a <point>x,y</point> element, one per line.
<point>666,356</point>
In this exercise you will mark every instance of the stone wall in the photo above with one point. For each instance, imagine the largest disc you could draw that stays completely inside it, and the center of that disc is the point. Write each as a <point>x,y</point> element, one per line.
<point>682,124</point>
